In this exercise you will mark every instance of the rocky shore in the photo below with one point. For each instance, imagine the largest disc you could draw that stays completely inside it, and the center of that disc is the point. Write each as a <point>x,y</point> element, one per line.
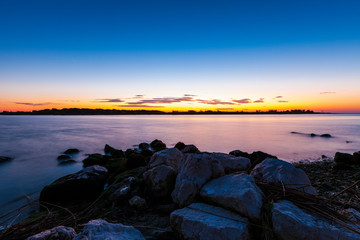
<point>155,192</point>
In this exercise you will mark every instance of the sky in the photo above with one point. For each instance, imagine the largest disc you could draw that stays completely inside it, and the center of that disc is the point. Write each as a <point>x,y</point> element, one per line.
<point>180,55</point>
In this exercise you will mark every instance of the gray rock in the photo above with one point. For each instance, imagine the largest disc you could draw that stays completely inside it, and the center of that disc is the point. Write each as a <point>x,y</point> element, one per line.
<point>205,222</point>
<point>195,172</point>
<point>171,157</point>
<point>160,180</point>
<point>291,222</point>
<point>100,229</point>
<point>190,149</point>
<point>60,232</point>
<point>138,202</point>
<point>232,163</point>
<point>237,192</point>
<point>273,170</point>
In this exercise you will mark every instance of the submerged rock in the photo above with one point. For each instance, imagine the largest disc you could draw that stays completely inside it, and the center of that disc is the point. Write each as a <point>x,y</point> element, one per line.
<point>205,222</point>
<point>113,152</point>
<point>273,170</point>
<point>63,157</point>
<point>144,146</point>
<point>326,135</point>
<point>72,151</point>
<point>157,145</point>
<point>66,162</point>
<point>194,173</point>
<point>100,230</point>
<point>5,159</point>
<point>291,222</point>
<point>56,233</point>
<point>86,184</point>
<point>237,192</point>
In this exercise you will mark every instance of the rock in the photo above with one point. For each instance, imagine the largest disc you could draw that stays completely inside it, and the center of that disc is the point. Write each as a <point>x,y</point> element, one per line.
<point>345,158</point>
<point>5,159</point>
<point>273,170</point>
<point>195,172</point>
<point>171,157</point>
<point>326,135</point>
<point>357,156</point>
<point>259,156</point>
<point>144,146</point>
<point>86,184</point>
<point>180,145</point>
<point>56,233</point>
<point>313,135</point>
<point>66,162</point>
<point>157,145</point>
<point>190,149</point>
<point>238,153</point>
<point>100,229</point>
<point>160,181</point>
<point>113,152</point>
<point>231,163</point>
<point>95,159</point>
<point>63,157</point>
<point>205,222</point>
<point>237,192</point>
<point>72,151</point>
<point>135,159</point>
<point>138,202</point>
<point>291,222</point>
<point>121,191</point>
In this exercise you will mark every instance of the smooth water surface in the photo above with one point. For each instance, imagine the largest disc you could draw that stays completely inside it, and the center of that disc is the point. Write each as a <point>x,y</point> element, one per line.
<point>36,141</point>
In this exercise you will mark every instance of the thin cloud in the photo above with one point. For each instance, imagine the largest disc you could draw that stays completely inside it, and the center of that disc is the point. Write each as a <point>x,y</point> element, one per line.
<point>214,102</point>
<point>245,100</point>
<point>109,100</point>
<point>327,92</point>
<point>278,97</point>
<point>32,104</point>
<point>283,101</point>
<point>164,100</point>
<point>139,96</point>
<point>261,100</point>
<point>189,95</point>
<point>224,109</point>
<point>138,106</point>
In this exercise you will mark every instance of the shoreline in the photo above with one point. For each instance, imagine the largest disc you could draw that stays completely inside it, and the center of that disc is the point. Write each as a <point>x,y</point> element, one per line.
<point>324,177</point>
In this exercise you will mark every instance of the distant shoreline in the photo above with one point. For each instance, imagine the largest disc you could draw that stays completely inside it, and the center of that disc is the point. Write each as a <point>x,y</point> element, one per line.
<point>86,111</point>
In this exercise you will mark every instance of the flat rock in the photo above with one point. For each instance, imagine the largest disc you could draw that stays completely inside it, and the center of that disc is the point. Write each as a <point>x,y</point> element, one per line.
<point>100,230</point>
<point>83,185</point>
<point>196,170</point>
<point>205,222</point>
<point>172,157</point>
<point>291,222</point>
<point>232,163</point>
<point>237,192</point>
<point>273,170</point>
<point>56,233</point>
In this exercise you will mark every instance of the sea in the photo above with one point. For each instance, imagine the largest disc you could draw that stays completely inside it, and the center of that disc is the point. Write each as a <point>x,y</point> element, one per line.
<point>35,142</point>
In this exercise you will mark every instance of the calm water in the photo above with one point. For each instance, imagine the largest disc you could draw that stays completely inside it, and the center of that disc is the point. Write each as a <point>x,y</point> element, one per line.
<point>36,141</point>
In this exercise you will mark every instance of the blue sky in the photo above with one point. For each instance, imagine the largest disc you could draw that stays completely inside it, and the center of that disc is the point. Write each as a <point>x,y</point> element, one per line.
<point>214,49</point>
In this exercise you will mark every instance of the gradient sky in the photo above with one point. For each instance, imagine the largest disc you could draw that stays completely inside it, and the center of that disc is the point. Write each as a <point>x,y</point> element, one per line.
<point>180,55</point>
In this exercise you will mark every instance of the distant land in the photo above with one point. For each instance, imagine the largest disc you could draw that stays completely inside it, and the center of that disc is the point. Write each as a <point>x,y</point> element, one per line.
<point>87,111</point>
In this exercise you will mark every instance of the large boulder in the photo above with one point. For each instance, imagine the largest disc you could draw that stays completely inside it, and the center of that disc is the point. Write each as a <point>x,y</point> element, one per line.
<point>56,233</point>
<point>83,185</point>
<point>100,229</point>
<point>273,170</point>
<point>206,222</point>
<point>196,170</point>
<point>237,192</point>
<point>171,157</point>
<point>231,163</point>
<point>291,222</point>
<point>190,149</point>
<point>160,181</point>
<point>346,158</point>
